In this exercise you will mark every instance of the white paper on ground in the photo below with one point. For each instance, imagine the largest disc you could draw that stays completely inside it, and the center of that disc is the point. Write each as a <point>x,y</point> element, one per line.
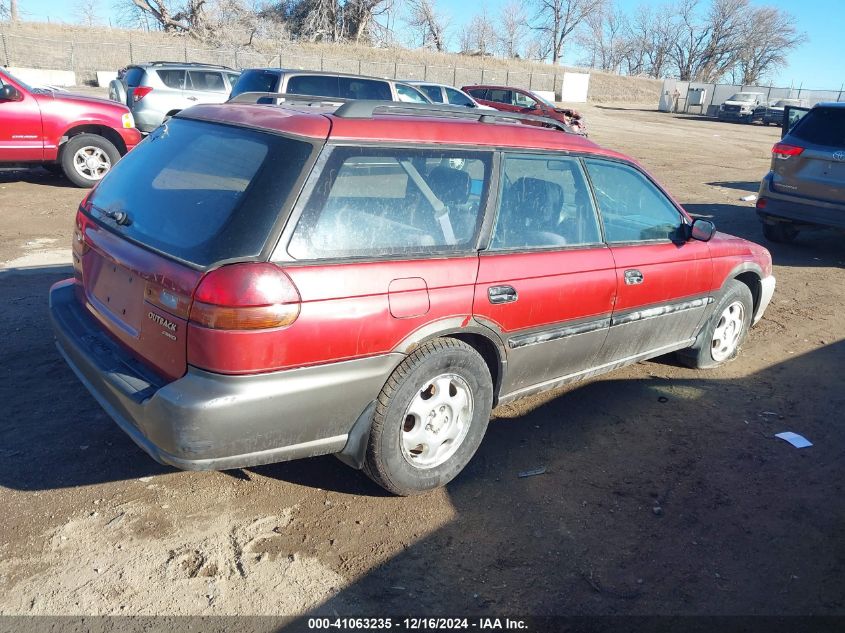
<point>798,441</point>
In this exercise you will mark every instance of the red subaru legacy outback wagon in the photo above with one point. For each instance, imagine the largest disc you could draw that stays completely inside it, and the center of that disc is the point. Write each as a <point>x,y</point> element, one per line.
<point>258,283</point>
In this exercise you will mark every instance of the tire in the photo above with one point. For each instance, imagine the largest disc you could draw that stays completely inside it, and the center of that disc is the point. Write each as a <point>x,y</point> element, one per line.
<point>76,154</point>
<point>117,92</point>
<point>780,232</point>
<point>725,331</point>
<point>430,418</point>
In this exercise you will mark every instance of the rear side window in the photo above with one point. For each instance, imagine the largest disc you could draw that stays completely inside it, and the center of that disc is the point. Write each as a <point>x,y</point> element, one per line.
<point>172,78</point>
<point>545,202</point>
<point>134,76</point>
<point>206,81</point>
<point>433,93</point>
<point>408,94</point>
<point>353,88</point>
<point>202,192</point>
<point>381,202</point>
<point>313,85</point>
<point>478,93</point>
<point>256,81</point>
<point>821,126</point>
<point>500,96</point>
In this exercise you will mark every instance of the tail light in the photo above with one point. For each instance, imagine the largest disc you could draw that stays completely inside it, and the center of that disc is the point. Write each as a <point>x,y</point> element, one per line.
<point>140,92</point>
<point>784,151</point>
<point>245,297</point>
<point>761,203</point>
<point>79,246</point>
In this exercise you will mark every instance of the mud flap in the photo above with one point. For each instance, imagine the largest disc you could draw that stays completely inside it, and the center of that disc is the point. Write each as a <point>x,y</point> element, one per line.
<point>355,451</point>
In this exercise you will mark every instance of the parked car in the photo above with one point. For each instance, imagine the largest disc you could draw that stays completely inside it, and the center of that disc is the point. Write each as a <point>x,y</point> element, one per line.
<point>324,84</point>
<point>157,90</point>
<point>773,113</point>
<point>741,107</point>
<point>805,186</point>
<point>81,137</point>
<point>258,283</point>
<point>441,93</point>
<point>518,100</point>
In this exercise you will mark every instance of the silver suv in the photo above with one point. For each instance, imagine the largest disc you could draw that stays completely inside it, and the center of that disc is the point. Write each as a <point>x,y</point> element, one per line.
<point>157,90</point>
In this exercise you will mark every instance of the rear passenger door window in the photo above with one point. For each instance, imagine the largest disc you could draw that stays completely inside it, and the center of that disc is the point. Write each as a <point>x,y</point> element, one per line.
<point>407,94</point>
<point>500,96</point>
<point>458,98</point>
<point>372,202</point>
<point>172,78</point>
<point>544,203</point>
<point>313,85</point>
<point>433,93</point>
<point>632,208</point>
<point>354,88</point>
<point>206,81</point>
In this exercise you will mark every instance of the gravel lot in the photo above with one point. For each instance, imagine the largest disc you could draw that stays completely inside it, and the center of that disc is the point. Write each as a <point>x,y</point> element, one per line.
<point>664,492</point>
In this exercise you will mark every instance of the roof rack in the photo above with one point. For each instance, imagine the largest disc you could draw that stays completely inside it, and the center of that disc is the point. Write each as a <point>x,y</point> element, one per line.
<point>166,63</point>
<point>289,97</point>
<point>365,109</point>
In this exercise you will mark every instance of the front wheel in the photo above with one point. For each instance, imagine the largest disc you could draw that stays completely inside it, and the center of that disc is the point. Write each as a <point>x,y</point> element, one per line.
<point>430,418</point>
<point>86,158</point>
<point>725,331</point>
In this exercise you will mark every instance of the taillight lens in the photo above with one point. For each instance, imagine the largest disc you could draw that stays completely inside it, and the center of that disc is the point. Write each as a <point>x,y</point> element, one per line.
<point>784,151</point>
<point>79,246</point>
<point>245,297</point>
<point>140,92</point>
<point>761,203</point>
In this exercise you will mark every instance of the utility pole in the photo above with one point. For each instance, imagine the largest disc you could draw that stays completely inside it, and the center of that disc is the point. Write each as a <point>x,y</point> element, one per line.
<point>13,11</point>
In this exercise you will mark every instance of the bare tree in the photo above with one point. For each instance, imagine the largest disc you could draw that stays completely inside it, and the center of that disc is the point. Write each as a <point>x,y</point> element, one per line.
<point>770,36</point>
<point>513,27</point>
<point>557,19</point>
<point>479,36</point>
<point>88,12</point>
<point>604,38</point>
<point>654,32</point>
<point>172,17</point>
<point>710,44</point>
<point>428,23</point>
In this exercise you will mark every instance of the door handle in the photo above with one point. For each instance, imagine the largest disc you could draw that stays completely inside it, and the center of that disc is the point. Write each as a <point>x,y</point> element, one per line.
<point>633,277</point>
<point>501,294</point>
<point>193,98</point>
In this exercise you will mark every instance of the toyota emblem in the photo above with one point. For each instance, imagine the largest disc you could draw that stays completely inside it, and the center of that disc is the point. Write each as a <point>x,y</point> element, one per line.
<point>840,155</point>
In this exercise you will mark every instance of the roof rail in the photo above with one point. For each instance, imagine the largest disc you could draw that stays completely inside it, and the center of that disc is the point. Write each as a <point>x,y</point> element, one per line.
<point>365,109</point>
<point>166,63</point>
<point>289,97</point>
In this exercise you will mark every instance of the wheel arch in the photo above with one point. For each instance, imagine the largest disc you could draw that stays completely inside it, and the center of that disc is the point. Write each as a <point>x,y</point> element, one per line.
<point>105,131</point>
<point>751,275</point>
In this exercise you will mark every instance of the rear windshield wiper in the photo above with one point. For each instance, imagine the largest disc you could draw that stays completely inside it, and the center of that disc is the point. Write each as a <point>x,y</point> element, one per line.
<point>119,217</point>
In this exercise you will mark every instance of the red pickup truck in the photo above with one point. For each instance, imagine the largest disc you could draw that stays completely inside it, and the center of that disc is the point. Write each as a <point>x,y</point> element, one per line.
<point>79,136</point>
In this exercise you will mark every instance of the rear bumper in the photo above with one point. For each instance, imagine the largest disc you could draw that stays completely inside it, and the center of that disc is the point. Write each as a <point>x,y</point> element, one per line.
<point>798,209</point>
<point>131,137</point>
<point>207,421</point>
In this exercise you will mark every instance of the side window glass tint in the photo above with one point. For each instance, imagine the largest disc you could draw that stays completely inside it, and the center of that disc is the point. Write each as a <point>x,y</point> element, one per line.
<point>433,93</point>
<point>479,93</point>
<point>632,208</point>
<point>172,78</point>
<point>375,202</point>
<point>351,88</point>
<point>206,81</point>
<point>544,202</point>
<point>500,96</point>
<point>457,98</point>
<point>314,85</point>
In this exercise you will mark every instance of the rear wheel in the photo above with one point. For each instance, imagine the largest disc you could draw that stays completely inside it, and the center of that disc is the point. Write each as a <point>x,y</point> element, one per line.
<point>430,418</point>
<point>86,158</point>
<point>725,331</point>
<point>782,232</point>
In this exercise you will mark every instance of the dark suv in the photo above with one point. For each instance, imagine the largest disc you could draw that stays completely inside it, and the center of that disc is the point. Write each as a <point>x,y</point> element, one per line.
<point>258,283</point>
<point>806,184</point>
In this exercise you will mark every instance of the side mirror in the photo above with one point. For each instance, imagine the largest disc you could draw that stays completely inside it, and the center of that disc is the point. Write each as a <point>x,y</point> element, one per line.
<point>702,230</point>
<point>9,93</point>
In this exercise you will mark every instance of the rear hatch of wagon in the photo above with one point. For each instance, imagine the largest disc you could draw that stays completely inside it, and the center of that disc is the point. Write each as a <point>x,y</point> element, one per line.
<point>193,196</point>
<point>810,160</point>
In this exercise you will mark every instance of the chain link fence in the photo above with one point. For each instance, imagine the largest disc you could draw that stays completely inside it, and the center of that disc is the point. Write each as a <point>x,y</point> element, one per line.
<point>85,58</point>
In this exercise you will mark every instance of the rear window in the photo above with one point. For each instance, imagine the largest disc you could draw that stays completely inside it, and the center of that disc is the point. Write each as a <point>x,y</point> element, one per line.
<point>256,81</point>
<point>201,192</point>
<point>821,126</point>
<point>134,76</point>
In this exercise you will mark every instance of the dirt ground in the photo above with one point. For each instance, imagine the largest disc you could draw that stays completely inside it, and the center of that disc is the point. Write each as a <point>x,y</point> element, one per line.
<point>665,491</point>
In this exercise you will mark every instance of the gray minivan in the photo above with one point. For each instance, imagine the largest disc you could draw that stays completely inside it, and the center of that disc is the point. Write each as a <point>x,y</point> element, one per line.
<point>325,84</point>
<point>806,184</point>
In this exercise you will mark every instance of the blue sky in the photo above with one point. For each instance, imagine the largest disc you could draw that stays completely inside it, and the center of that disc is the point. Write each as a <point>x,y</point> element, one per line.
<point>819,63</point>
